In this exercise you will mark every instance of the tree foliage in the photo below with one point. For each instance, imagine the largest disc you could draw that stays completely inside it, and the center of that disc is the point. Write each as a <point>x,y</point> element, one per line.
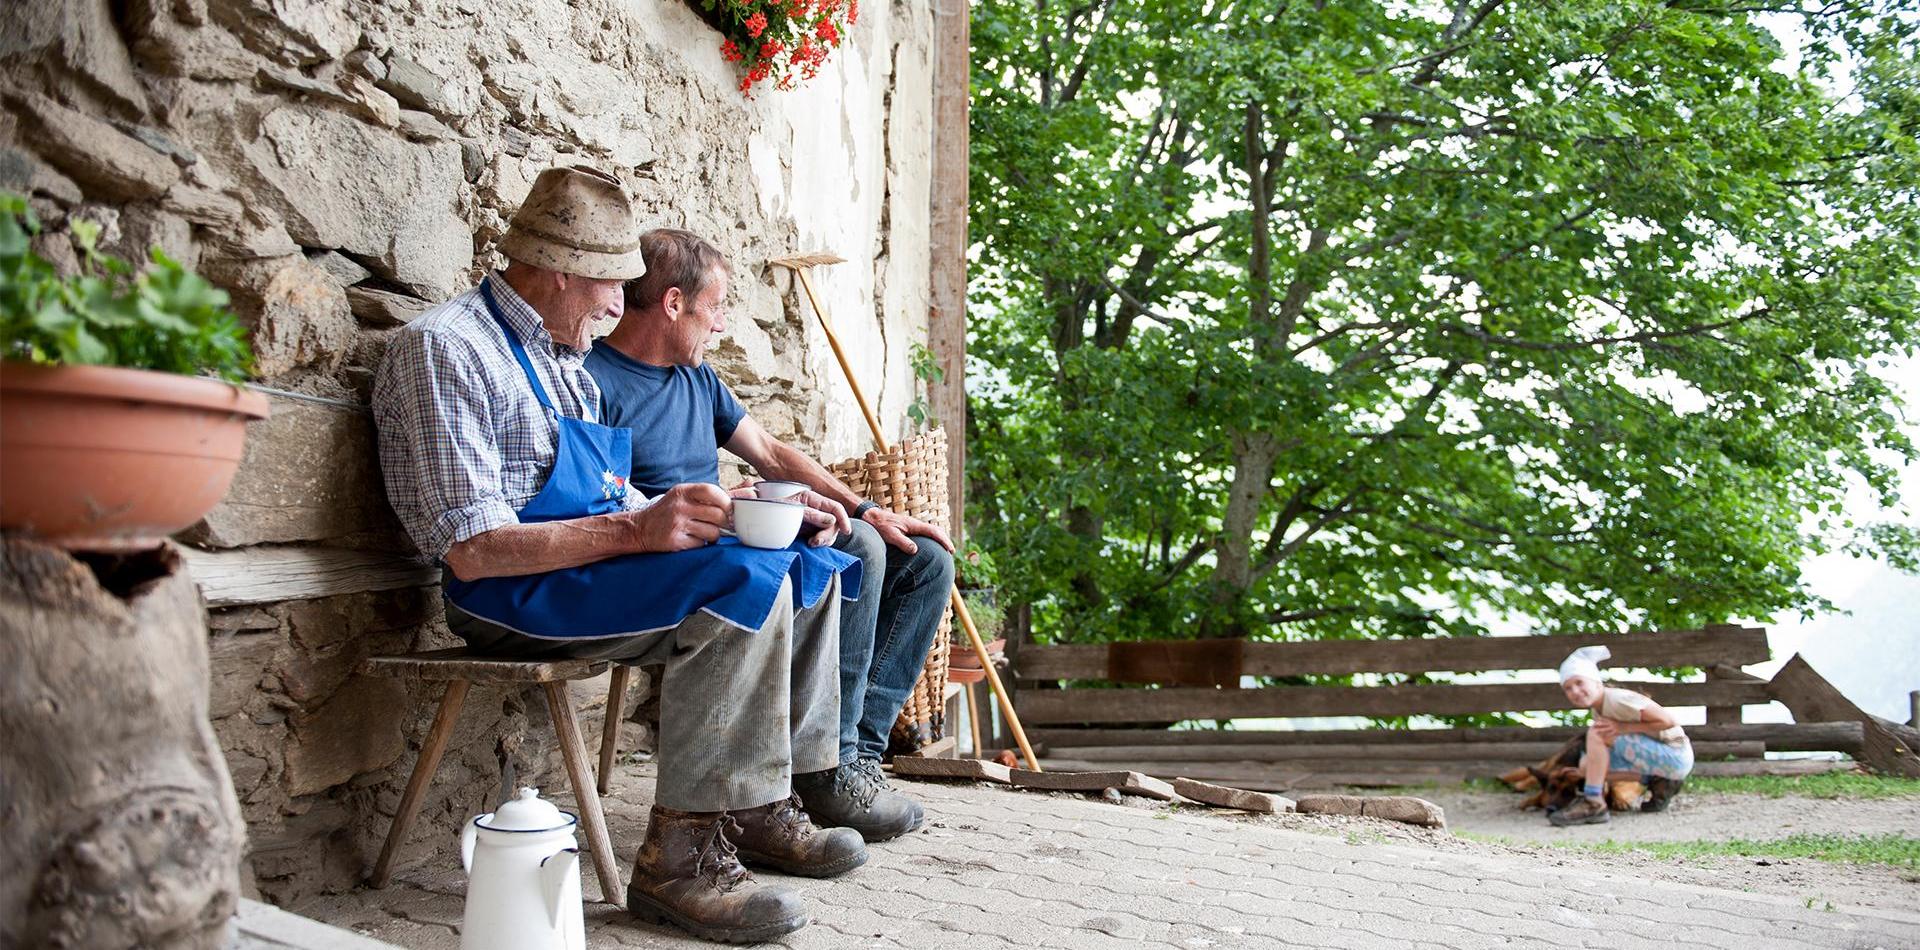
<point>1365,318</point>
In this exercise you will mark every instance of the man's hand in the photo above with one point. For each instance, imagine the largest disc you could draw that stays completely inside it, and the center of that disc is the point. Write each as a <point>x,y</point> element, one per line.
<point>687,516</point>
<point>836,517</point>
<point>899,530</point>
<point>1606,729</point>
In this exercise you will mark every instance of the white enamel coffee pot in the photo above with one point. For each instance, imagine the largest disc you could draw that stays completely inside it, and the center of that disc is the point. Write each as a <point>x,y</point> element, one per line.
<point>523,878</point>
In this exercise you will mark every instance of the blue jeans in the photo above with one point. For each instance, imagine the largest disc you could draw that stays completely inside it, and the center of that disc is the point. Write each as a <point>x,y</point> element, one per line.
<point>885,634</point>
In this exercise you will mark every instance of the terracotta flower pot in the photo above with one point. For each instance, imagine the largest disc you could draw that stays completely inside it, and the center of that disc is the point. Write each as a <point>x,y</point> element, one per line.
<point>96,458</point>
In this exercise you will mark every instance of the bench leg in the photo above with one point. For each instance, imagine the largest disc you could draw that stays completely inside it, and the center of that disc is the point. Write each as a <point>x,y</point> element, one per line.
<point>574,753</point>
<point>610,735</point>
<point>430,753</point>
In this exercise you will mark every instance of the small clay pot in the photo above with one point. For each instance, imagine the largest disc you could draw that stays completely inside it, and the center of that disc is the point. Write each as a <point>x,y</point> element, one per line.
<point>96,458</point>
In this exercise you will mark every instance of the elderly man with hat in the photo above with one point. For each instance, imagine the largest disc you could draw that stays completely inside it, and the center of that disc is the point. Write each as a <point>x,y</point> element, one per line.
<point>497,466</point>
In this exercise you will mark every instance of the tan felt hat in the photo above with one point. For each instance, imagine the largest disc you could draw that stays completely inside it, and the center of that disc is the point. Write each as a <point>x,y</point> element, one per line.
<point>577,220</point>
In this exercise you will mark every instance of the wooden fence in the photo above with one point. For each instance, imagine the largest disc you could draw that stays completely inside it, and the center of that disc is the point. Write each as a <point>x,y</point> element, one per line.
<point>1106,727</point>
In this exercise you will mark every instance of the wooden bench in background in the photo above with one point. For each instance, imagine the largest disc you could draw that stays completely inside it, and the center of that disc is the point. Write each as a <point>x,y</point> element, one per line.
<point>1089,728</point>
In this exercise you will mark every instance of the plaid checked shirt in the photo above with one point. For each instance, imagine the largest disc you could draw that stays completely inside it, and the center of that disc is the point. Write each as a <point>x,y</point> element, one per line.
<point>463,442</point>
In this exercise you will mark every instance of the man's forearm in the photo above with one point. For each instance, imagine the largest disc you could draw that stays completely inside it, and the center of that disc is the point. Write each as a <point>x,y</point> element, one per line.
<point>516,549</point>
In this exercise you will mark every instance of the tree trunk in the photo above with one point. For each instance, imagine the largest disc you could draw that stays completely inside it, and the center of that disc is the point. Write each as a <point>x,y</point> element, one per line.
<point>122,827</point>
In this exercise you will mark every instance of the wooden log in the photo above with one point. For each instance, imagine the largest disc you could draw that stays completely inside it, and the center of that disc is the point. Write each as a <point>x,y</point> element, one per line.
<point>1718,644</point>
<point>122,829</point>
<point>1172,705</point>
<point>1420,752</point>
<point>1812,698</point>
<point>1778,736</point>
<point>272,573</point>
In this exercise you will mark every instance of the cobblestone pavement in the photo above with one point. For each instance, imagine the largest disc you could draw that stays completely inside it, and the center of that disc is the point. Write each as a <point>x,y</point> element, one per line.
<point>1003,868</point>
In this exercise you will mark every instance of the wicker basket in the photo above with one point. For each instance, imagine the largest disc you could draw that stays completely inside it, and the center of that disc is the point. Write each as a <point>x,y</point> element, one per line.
<point>912,480</point>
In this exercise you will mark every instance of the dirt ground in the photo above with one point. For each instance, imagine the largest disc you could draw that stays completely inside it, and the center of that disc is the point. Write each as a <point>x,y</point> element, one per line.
<point>1692,817</point>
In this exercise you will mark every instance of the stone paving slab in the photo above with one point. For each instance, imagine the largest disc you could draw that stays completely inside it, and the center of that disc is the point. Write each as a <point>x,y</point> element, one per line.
<point>997,867</point>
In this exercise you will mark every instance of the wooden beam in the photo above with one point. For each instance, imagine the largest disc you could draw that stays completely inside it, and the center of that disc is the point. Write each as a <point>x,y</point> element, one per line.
<point>271,573</point>
<point>1095,706</point>
<point>947,244</point>
<point>1812,698</point>
<point>1777,736</point>
<point>1518,752</point>
<point>1727,644</point>
<point>1287,776</point>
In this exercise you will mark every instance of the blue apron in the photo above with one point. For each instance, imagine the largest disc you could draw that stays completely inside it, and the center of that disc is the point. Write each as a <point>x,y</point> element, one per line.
<point>633,593</point>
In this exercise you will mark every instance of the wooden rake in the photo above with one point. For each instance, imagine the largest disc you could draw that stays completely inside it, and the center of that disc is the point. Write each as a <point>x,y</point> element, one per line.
<point>800,264</point>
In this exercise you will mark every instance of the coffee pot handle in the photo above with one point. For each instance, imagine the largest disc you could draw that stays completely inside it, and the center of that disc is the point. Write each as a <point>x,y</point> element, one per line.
<point>467,836</point>
<point>555,870</point>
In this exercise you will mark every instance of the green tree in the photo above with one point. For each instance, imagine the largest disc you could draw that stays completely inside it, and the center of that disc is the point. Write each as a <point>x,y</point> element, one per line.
<point>1361,319</point>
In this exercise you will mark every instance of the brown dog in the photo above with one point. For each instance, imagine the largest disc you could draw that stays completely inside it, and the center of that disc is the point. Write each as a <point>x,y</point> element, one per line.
<point>1558,780</point>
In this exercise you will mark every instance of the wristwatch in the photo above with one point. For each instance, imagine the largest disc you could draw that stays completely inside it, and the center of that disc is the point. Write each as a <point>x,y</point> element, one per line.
<point>862,508</point>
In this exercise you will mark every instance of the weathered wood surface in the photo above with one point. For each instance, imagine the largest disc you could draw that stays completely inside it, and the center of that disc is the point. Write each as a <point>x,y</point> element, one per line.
<point>455,663</point>
<point>1734,645</point>
<point>1092,780</point>
<point>1287,776</point>
<point>1222,796</point>
<point>1778,736</point>
<point>965,770</point>
<point>947,245</point>
<point>271,573</point>
<point>1811,697</point>
<point>1418,752</point>
<point>1095,706</point>
<point>121,825</point>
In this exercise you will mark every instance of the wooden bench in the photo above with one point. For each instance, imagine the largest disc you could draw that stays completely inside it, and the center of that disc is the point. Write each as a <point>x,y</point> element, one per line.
<point>460,670</point>
<point>1083,727</point>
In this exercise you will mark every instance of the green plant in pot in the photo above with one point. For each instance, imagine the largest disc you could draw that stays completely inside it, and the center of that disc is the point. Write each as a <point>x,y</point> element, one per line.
<point>977,577</point>
<point>110,440</point>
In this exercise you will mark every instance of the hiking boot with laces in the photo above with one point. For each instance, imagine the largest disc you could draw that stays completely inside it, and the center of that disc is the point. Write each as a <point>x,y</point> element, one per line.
<point>1660,792</point>
<point>779,835</point>
<point>858,796</point>
<point>688,874</point>
<point>1583,811</point>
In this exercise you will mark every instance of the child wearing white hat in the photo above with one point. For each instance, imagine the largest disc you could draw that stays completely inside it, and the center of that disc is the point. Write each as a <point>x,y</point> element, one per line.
<point>1632,737</point>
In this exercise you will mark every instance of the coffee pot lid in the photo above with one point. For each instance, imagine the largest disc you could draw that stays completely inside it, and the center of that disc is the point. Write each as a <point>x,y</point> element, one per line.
<point>527,812</point>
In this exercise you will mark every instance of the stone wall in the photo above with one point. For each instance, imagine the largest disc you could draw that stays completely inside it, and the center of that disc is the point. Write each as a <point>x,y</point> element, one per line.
<point>339,165</point>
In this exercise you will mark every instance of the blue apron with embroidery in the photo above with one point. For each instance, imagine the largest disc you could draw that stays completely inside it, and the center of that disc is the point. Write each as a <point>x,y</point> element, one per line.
<point>633,593</point>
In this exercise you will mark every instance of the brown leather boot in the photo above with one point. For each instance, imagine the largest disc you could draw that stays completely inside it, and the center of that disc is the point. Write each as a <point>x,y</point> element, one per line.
<point>687,874</point>
<point>779,835</point>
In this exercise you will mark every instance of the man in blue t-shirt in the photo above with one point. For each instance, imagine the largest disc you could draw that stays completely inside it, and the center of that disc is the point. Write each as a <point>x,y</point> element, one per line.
<point>654,380</point>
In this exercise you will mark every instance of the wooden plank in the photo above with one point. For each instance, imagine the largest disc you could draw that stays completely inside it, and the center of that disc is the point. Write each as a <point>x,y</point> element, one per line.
<point>947,245</point>
<point>1093,780</point>
<point>1173,705</point>
<point>966,770</point>
<point>1178,663</point>
<point>455,663</point>
<point>1222,796</point>
<point>1778,736</point>
<point>1723,644</point>
<point>1812,698</point>
<point>272,573</point>
<point>1288,776</point>
<point>1518,752</point>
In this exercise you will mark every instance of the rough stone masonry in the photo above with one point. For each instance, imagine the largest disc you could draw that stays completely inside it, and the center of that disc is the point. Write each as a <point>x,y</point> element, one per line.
<point>338,166</point>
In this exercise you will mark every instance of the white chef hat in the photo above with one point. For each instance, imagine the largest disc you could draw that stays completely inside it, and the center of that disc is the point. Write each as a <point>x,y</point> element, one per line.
<point>1583,662</point>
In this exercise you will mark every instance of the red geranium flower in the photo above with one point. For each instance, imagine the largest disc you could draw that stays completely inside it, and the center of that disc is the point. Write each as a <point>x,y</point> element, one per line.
<point>756,25</point>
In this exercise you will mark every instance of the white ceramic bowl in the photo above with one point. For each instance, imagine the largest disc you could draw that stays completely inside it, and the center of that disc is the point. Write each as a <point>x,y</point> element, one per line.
<point>766,523</point>
<point>778,490</point>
